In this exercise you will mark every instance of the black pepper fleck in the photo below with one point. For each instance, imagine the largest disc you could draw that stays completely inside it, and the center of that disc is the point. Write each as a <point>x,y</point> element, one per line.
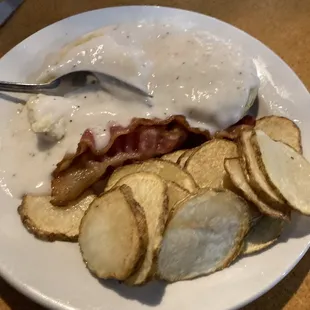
<point>292,157</point>
<point>240,73</point>
<point>128,37</point>
<point>70,120</point>
<point>183,63</point>
<point>78,106</point>
<point>177,77</point>
<point>85,97</point>
<point>14,175</point>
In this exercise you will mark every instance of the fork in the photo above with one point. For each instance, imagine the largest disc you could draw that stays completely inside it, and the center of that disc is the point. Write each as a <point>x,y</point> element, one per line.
<point>72,81</point>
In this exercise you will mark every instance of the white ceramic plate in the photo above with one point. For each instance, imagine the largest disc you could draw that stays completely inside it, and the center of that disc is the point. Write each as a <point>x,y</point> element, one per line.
<point>54,274</point>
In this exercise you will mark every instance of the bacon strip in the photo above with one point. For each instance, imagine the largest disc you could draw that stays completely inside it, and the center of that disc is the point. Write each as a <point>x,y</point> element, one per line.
<point>142,139</point>
<point>233,132</point>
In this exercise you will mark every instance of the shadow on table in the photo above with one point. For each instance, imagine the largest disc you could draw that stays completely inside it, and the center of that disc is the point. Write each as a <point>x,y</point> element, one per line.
<point>15,300</point>
<point>150,294</point>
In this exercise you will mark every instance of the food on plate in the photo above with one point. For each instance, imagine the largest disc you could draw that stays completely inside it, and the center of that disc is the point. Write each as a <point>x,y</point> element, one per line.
<point>263,234</point>
<point>45,116</point>
<point>282,129</point>
<point>286,171</point>
<point>256,177</point>
<point>185,156</point>
<point>174,157</point>
<point>113,235</point>
<point>174,186</point>
<point>143,139</point>
<point>200,224</point>
<point>206,165</point>
<point>150,191</point>
<point>165,169</point>
<point>233,132</point>
<point>51,223</point>
<point>238,177</point>
<point>176,193</point>
<point>211,82</point>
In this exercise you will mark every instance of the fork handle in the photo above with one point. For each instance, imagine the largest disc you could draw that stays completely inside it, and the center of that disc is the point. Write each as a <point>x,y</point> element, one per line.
<point>25,87</point>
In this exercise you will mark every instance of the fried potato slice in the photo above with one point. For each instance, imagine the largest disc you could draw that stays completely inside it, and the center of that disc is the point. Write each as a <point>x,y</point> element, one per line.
<point>113,235</point>
<point>282,129</point>
<point>165,169</point>
<point>50,223</point>
<point>176,193</point>
<point>173,157</point>
<point>150,191</point>
<point>286,171</point>
<point>205,235</point>
<point>265,233</point>
<point>256,177</point>
<point>238,178</point>
<point>186,155</point>
<point>206,165</point>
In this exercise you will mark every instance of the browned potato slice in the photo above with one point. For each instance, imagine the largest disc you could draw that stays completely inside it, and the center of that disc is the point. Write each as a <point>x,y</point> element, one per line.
<point>176,193</point>
<point>51,223</point>
<point>165,169</point>
<point>186,155</point>
<point>282,129</point>
<point>206,165</point>
<point>266,232</point>
<point>286,171</point>
<point>173,157</point>
<point>205,234</point>
<point>113,235</point>
<point>150,191</point>
<point>257,178</point>
<point>238,178</point>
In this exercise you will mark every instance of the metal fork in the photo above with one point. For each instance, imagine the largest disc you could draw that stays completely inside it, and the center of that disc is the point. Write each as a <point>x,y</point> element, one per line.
<point>71,82</point>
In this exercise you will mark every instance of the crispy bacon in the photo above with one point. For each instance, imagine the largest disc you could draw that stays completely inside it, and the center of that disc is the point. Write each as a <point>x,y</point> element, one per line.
<point>141,140</point>
<point>233,132</point>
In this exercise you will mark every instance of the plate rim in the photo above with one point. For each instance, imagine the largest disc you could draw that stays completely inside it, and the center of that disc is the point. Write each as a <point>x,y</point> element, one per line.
<point>48,302</point>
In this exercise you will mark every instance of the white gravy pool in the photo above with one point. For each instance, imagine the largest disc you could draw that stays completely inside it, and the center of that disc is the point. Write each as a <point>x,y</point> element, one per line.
<point>188,72</point>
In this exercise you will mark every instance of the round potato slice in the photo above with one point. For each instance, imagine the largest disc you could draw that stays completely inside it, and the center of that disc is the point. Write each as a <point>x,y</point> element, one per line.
<point>205,235</point>
<point>173,157</point>
<point>176,193</point>
<point>206,165</point>
<point>185,156</point>
<point>165,169</point>
<point>282,129</point>
<point>113,235</point>
<point>52,223</point>
<point>265,233</point>
<point>256,177</point>
<point>150,191</point>
<point>286,171</point>
<point>238,178</point>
